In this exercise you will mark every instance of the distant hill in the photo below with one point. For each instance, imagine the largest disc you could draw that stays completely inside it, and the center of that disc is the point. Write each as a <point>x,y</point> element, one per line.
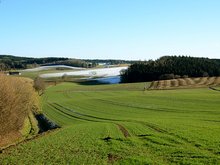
<point>170,67</point>
<point>8,62</point>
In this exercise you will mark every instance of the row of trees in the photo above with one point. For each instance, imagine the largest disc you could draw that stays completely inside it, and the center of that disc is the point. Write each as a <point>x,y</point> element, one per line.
<point>169,67</point>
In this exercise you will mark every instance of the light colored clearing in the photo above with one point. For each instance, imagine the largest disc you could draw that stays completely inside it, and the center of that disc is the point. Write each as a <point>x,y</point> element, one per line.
<point>104,72</point>
<point>52,67</point>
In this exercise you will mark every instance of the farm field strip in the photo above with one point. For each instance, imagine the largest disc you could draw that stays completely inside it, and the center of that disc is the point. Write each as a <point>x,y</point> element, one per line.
<point>185,83</point>
<point>122,124</point>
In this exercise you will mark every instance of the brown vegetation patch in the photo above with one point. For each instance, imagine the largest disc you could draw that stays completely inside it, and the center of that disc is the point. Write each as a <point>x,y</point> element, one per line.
<point>167,83</point>
<point>17,99</point>
<point>112,158</point>
<point>8,138</point>
<point>124,130</point>
<point>210,81</point>
<point>174,83</point>
<point>182,82</point>
<point>186,82</point>
<point>161,84</point>
<point>190,81</point>
<point>217,81</point>
<point>203,80</point>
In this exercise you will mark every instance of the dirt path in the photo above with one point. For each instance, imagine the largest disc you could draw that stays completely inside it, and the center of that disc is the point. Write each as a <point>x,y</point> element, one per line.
<point>124,130</point>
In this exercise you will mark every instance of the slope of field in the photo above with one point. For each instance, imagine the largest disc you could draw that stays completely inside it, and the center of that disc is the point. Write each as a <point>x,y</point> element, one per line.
<point>122,124</point>
<point>185,83</point>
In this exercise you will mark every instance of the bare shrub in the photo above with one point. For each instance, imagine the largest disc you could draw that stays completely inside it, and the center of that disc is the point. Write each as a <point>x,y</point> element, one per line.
<point>17,99</point>
<point>39,85</point>
<point>64,77</point>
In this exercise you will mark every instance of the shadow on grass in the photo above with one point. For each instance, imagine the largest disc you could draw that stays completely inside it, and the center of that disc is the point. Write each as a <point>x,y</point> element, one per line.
<point>45,124</point>
<point>91,82</point>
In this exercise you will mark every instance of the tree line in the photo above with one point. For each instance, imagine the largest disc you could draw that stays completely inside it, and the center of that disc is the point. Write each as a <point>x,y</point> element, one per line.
<point>8,62</point>
<point>169,67</point>
<point>109,61</point>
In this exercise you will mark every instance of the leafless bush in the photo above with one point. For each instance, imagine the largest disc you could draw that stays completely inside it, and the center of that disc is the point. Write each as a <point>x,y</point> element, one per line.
<point>17,99</point>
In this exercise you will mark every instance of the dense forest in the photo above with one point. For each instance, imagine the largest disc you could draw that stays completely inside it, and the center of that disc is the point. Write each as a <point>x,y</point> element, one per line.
<point>8,62</point>
<point>169,67</point>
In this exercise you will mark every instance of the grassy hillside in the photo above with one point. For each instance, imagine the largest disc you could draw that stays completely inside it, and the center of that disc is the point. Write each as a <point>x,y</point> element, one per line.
<point>122,124</point>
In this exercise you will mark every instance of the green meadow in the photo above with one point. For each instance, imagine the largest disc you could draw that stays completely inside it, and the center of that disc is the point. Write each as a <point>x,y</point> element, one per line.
<point>122,124</point>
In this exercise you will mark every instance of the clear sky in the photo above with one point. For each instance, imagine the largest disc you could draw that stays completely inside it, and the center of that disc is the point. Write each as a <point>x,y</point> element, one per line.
<point>113,29</point>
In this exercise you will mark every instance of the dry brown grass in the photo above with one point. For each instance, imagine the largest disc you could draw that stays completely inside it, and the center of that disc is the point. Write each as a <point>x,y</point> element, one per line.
<point>174,83</point>
<point>154,85</point>
<point>202,81</point>
<point>161,84</point>
<point>182,82</point>
<point>190,81</point>
<point>186,83</point>
<point>167,83</point>
<point>210,81</point>
<point>216,81</point>
<point>17,99</point>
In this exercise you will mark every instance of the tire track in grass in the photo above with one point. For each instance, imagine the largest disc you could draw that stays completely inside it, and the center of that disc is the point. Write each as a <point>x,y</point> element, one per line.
<point>76,117</point>
<point>81,114</point>
<point>152,126</point>
<point>178,137</point>
<point>138,107</point>
<point>123,130</point>
<point>149,125</point>
<point>212,88</point>
<point>66,94</point>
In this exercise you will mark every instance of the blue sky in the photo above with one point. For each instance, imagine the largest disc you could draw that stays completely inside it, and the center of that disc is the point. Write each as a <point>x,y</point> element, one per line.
<point>113,29</point>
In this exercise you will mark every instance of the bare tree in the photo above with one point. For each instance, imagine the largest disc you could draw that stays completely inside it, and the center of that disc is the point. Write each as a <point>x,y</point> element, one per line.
<point>64,77</point>
<point>39,85</point>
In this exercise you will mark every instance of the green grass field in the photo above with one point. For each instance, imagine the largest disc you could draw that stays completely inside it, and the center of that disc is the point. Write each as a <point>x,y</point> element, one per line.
<point>122,124</point>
